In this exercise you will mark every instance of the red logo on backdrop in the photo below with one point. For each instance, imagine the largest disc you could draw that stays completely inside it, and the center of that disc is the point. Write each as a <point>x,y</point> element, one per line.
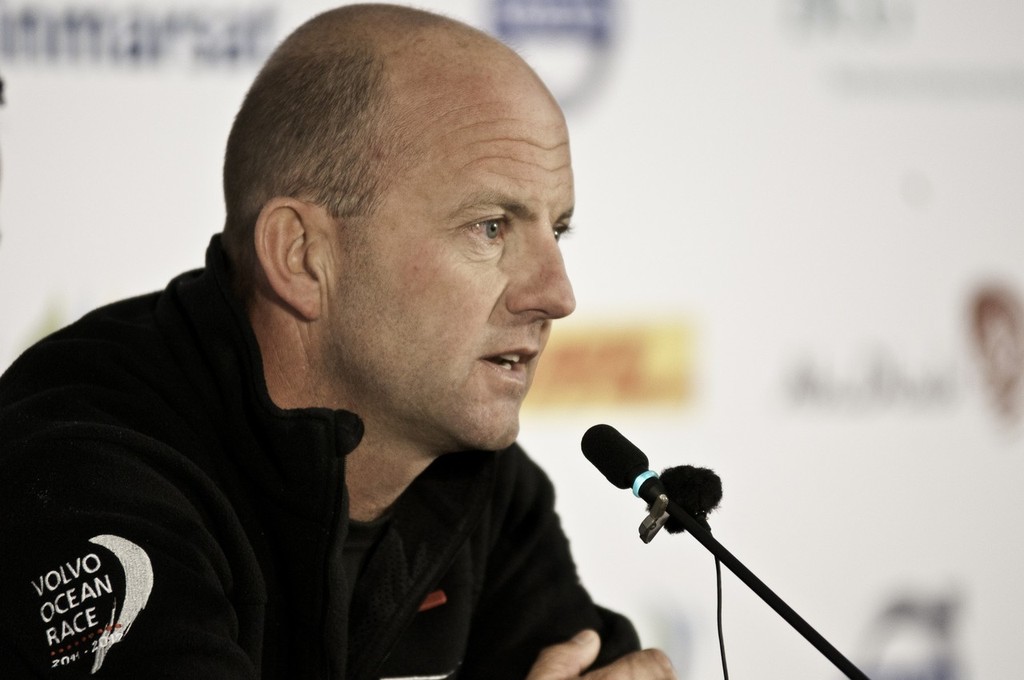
<point>997,336</point>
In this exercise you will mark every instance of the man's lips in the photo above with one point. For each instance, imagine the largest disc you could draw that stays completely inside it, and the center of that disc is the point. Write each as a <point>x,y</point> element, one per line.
<point>512,360</point>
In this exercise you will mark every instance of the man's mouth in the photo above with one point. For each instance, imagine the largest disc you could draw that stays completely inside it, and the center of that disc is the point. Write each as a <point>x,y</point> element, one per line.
<point>506,361</point>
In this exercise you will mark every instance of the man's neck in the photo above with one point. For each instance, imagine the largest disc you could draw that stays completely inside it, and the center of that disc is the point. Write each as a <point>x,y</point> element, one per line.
<point>376,475</point>
<point>381,468</point>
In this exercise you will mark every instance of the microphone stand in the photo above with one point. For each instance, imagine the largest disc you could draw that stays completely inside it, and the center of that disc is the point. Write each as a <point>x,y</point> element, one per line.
<point>660,505</point>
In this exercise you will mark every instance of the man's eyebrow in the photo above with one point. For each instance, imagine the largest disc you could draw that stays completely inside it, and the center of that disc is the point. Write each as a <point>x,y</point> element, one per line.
<point>505,202</point>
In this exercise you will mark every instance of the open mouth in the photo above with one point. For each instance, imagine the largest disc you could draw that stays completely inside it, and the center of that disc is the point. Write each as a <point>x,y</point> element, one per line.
<point>506,361</point>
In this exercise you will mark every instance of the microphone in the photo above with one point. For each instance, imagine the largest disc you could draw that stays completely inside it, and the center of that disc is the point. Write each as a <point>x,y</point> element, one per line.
<point>621,462</point>
<point>696,490</point>
<point>626,466</point>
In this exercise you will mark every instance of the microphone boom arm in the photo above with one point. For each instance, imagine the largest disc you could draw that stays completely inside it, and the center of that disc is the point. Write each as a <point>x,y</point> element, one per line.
<point>705,538</point>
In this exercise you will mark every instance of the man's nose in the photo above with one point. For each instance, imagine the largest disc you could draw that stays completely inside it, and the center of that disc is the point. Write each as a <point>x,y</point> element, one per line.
<point>539,282</point>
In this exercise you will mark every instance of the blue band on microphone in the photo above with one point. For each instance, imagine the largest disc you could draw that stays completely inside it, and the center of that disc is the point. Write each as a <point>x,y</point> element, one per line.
<point>640,479</point>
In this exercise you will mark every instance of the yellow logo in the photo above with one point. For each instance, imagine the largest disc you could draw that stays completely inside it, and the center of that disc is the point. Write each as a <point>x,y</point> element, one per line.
<point>616,363</point>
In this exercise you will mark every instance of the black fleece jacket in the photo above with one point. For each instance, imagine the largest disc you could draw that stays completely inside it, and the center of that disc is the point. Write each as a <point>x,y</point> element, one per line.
<point>161,518</point>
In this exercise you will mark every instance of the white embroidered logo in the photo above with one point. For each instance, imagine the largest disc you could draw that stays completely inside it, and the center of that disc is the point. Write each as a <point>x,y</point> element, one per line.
<point>76,593</point>
<point>138,584</point>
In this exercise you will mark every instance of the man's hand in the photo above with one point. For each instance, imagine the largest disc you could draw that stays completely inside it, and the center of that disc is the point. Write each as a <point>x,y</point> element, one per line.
<point>569,659</point>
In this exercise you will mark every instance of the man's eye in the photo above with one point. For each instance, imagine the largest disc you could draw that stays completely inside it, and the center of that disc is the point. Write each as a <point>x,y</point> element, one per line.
<point>561,230</point>
<point>491,229</point>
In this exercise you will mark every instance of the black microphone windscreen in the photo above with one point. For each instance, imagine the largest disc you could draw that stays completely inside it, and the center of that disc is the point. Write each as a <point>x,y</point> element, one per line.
<point>617,458</point>
<point>696,490</point>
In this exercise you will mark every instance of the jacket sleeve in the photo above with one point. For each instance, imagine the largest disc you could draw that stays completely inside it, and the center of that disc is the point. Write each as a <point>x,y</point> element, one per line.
<point>110,568</point>
<point>531,594</point>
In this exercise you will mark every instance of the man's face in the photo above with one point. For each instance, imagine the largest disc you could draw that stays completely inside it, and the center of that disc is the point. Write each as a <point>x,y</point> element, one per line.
<point>445,296</point>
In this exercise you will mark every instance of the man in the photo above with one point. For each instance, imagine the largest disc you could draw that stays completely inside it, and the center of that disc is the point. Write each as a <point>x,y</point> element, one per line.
<point>283,465</point>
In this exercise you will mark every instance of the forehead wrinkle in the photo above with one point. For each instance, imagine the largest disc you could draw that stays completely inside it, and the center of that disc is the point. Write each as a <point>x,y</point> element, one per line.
<point>558,139</point>
<point>500,113</point>
<point>511,159</point>
<point>505,201</point>
<point>553,142</point>
<point>524,140</point>
<point>511,148</point>
<point>493,114</point>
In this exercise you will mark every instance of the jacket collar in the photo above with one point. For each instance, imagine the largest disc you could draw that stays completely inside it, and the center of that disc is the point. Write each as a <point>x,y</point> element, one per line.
<point>297,444</point>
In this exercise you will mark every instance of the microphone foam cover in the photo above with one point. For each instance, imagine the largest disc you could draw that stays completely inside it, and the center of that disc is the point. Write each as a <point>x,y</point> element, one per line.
<point>617,458</point>
<point>696,490</point>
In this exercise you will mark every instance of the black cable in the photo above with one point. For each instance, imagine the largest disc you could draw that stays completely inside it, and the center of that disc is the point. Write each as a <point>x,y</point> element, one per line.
<point>721,633</point>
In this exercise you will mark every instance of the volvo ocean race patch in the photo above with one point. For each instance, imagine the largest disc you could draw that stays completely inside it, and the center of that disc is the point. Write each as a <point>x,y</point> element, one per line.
<point>88,603</point>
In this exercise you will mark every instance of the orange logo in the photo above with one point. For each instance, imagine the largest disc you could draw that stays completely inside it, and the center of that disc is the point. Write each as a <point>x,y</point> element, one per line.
<point>616,364</point>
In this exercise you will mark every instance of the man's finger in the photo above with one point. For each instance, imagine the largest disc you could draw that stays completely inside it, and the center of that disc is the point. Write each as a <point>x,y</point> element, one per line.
<point>649,664</point>
<point>568,659</point>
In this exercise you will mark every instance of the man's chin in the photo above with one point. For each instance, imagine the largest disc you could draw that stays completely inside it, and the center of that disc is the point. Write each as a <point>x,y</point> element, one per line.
<point>506,442</point>
<point>493,438</point>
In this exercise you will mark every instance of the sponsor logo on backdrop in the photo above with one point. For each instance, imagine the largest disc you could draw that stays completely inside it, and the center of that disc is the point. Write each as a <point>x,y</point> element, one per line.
<point>568,42</point>
<point>876,378</point>
<point>879,25</point>
<point>914,637</point>
<point>996,329</point>
<point>46,34</point>
<point>864,19</point>
<point>643,365</point>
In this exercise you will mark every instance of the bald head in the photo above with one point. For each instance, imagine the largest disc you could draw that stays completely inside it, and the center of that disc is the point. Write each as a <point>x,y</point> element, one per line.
<point>335,110</point>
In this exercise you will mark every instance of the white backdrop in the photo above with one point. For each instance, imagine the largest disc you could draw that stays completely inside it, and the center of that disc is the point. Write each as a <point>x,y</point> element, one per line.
<point>810,192</point>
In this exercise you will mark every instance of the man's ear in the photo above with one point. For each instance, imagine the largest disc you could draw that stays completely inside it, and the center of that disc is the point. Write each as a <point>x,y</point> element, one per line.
<point>291,248</point>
